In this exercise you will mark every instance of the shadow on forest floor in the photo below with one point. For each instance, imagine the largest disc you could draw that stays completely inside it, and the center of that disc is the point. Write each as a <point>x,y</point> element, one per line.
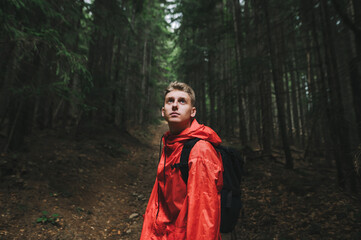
<point>301,204</point>
<point>98,184</point>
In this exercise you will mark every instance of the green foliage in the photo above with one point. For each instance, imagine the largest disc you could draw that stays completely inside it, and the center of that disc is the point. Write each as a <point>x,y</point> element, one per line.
<point>106,59</point>
<point>47,218</point>
<point>200,30</point>
<point>49,31</point>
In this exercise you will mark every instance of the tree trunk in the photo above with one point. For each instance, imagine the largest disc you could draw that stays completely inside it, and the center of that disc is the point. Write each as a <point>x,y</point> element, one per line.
<point>265,93</point>
<point>339,128</point>
<point>295,102</point>
<point>266,109</point>
<point>283,66</point>
<point>101,58</point>
<point>143,83</point>
<point>279,92</point>
<point>8,78</point>
<point>238,33</point>
<point>289,106</point>
<point>211,89</point>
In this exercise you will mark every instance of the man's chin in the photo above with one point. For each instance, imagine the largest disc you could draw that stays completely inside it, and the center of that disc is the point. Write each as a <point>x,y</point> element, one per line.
<point>174,120</point>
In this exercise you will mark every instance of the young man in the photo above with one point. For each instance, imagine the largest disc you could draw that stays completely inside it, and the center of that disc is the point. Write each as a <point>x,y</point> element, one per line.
<point>177,210</point>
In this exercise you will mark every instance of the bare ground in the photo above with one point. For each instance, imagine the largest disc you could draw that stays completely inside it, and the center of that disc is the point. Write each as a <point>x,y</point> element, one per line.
<point>98,183</point>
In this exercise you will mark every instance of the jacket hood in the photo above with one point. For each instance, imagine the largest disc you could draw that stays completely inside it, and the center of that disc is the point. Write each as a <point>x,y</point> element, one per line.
<point>196,130</point>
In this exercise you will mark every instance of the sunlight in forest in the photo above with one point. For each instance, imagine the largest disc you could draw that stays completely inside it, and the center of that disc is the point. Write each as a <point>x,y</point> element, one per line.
<point>171,17</point>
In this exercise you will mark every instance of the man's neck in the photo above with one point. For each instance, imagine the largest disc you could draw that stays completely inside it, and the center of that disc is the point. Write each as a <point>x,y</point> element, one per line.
<point>176,129</point>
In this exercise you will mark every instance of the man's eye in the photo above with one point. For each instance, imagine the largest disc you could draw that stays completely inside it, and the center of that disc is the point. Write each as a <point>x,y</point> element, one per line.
<point>170,101</point>
<point>182,101</point>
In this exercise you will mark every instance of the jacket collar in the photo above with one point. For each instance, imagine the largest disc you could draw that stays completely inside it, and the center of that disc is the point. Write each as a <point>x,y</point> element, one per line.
<point>196,130</point>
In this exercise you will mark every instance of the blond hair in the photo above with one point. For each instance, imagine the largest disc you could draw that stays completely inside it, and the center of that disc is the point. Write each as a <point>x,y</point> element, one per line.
<point>181,87</point>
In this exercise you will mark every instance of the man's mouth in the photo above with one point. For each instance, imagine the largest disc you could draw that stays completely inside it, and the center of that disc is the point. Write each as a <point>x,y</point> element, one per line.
<point>174,114</point>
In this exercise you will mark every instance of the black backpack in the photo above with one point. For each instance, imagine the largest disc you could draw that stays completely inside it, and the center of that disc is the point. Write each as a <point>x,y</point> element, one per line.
<point>231,203</point>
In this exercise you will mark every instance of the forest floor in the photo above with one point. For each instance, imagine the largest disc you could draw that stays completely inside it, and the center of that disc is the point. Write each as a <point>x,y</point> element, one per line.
<point>96,186</point>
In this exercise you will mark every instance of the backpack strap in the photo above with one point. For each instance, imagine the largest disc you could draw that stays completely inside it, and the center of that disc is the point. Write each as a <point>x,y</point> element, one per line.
<point>183,163</point>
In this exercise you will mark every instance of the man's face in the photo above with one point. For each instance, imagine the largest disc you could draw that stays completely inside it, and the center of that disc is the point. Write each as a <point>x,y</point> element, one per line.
<point>178,110</point>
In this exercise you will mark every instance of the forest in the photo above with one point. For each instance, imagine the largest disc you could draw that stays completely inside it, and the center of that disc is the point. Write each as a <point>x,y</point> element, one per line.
<point>81,88</point>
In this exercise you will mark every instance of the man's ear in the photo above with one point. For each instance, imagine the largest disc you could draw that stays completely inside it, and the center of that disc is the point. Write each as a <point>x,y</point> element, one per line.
<point>194,111</point>
<point>162,111</point>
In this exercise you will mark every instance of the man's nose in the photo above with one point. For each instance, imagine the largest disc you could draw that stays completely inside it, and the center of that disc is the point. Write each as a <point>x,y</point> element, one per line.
<point>175,105</point>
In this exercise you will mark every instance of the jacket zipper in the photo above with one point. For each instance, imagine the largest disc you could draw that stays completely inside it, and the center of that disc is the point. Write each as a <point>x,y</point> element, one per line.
<point>160,156</point>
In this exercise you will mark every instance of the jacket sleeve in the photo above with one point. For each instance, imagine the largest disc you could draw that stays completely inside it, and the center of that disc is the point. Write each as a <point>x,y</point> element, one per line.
<point>203,192</point>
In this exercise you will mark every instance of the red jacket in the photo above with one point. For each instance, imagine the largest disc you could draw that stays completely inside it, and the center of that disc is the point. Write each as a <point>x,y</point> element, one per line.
<point>192,211</point>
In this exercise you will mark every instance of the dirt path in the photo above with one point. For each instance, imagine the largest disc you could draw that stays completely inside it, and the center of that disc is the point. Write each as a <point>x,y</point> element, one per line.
<point>148,161</point>
<point>97,185</point>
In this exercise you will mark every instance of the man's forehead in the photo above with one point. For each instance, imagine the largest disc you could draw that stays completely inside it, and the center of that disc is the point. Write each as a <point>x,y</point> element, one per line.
<point>177,94</point>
